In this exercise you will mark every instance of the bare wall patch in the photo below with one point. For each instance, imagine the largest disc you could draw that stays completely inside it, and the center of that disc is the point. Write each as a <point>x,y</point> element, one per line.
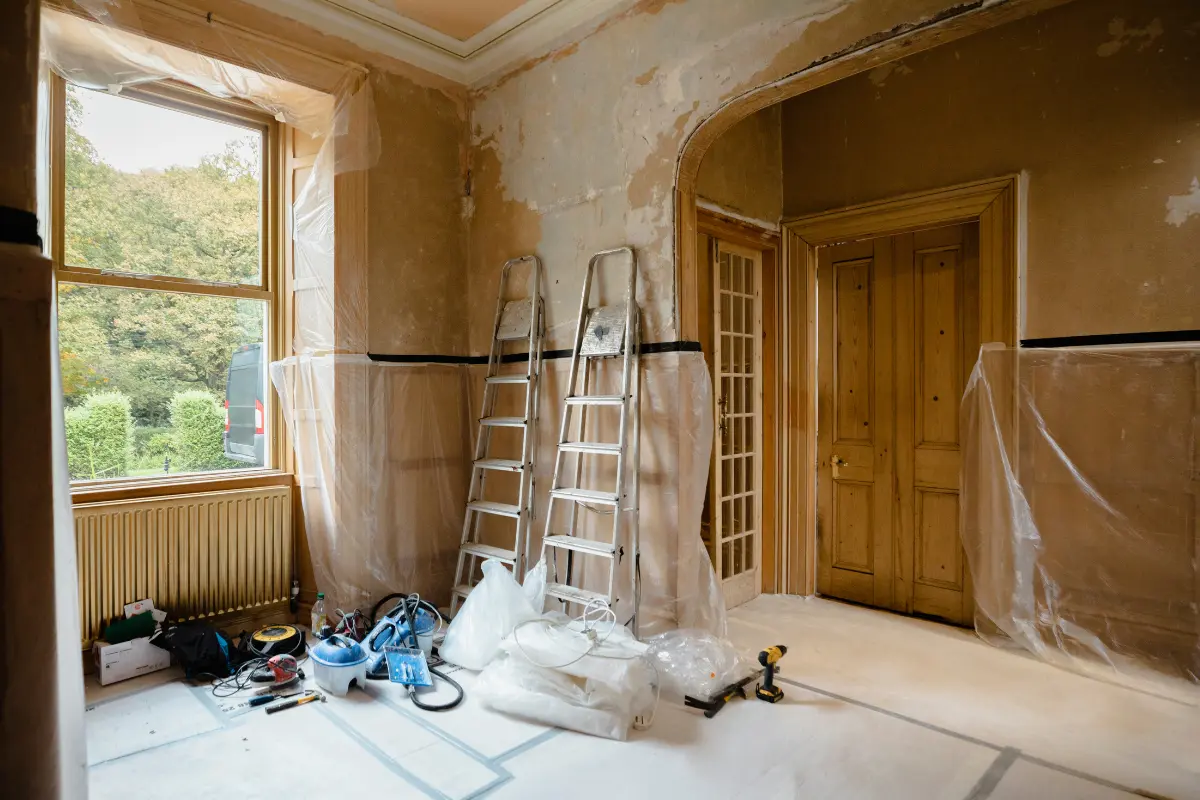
<point>1122,36</point>
<point>1182,207</point>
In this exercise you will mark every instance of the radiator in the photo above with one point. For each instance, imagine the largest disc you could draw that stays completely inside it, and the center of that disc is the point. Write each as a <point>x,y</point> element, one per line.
<point>194,555</point>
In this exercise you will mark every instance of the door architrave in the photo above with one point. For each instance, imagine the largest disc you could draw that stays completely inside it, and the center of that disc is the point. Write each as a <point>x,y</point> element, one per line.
<point>998,205</point>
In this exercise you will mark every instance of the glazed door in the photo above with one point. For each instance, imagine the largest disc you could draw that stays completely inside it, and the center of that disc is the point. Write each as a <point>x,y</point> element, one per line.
<point>898,324</point>
<point>736,500</point>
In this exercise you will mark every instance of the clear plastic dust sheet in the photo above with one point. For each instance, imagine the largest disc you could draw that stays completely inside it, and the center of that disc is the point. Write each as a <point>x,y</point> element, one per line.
<point>1081,487</point>
<point>383,460</point>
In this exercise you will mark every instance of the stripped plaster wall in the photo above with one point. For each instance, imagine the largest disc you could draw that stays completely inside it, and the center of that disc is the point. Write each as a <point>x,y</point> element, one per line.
<point>1097,101</point>
<point>742,173</point>
<point>575,151</point>
<point>417,235</point>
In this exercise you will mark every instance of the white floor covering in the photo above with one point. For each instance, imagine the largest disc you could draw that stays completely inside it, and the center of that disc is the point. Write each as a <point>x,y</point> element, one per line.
<point>877,706</point>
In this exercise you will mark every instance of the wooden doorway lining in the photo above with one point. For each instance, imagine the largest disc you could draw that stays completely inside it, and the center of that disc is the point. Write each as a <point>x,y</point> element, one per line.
<point>997,206</point>
<point>713,226</point>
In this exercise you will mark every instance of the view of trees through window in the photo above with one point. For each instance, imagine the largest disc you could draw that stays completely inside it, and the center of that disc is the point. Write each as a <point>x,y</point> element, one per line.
<point>157,192</point>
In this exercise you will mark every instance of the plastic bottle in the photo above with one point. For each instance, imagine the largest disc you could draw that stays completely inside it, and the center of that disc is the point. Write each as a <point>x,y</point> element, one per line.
<point>318,614</point>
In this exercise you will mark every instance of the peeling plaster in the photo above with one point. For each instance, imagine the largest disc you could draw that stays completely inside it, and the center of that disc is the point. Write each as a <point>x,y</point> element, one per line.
<point>1122,36</point>
<point>1182,207</point>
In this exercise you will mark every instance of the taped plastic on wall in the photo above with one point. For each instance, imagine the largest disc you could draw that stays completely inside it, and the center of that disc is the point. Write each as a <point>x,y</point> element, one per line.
<point>383,458</point>
<point>108,54</point>
<point>1080,498</point>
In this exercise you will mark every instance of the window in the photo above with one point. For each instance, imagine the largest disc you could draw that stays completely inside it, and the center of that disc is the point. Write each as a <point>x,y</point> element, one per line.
<point>164,246</point>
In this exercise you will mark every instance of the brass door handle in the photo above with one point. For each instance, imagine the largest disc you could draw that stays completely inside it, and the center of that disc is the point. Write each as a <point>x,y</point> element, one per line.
<point>838,461</point>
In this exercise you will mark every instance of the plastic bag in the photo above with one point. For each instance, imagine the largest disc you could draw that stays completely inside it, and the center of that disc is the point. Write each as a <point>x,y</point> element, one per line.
<point>549,697</point>
<point>494,607</point>
<point>534,586</point>
<point>696,663</point>
<point>615,657</point>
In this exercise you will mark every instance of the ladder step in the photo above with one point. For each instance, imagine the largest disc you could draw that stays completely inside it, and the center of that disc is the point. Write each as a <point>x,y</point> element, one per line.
<point>504,464</point>
<point>590,546</point>
<point>503,422</point>
<point>462,590</point>
<point>585,496</point>
<point>573,595</point>
<point>596,448</point>
<point>596,400</point>
<point>487,551</point>
<point>518,378</point>
<point>489,507</point>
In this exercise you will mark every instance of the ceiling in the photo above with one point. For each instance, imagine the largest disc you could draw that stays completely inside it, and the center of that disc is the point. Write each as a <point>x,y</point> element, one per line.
<point>464,40</point>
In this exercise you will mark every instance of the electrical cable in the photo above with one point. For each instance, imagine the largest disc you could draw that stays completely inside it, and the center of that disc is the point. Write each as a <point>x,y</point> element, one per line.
<point>408,608</point>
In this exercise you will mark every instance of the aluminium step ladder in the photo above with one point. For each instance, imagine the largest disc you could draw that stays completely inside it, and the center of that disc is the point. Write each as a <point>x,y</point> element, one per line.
<point>516,321</point>
<point>603,333</point>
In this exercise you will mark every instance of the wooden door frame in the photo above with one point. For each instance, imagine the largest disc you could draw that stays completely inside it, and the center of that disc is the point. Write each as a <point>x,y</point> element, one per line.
<point>998,205</point>
<point>714,224</point>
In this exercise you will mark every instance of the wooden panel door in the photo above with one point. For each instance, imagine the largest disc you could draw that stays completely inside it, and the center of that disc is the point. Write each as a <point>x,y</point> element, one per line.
<point>854,422</point>
<point>736,500</point>
<point>937,342</point>
<point>898,324</point>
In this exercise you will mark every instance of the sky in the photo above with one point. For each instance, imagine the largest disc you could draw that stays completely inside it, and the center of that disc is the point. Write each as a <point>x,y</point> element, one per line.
<point>131,136</point>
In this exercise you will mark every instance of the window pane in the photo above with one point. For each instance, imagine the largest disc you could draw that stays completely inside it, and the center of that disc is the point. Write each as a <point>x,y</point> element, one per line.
<point>146,376</point>
<point>155,191</point>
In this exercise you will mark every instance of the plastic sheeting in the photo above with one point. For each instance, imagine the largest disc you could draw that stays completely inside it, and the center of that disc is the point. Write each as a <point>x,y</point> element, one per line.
<point>1080,506</point>
<point>104,55</point>
<point>383,458</point>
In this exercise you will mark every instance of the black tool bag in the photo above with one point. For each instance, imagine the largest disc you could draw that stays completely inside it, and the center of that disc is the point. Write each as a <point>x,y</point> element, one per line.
<point>199,648</point>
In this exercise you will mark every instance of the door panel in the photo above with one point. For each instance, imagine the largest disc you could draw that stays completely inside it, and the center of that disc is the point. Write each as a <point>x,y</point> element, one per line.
<point>899,332</point>
<point>737,475</point>
<point>854,542</point>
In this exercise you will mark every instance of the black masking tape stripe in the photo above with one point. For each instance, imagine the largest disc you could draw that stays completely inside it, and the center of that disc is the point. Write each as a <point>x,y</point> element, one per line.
<point>649,348</point>
<point>1146,337</point>
<point>18,227</point>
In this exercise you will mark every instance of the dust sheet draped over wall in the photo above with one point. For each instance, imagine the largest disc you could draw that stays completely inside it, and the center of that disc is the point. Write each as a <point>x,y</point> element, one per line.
<point>1081,487</point>
<point>390,477</point>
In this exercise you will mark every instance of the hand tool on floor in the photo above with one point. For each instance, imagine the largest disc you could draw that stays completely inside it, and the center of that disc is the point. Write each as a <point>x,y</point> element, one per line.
<point>769,658</point>
<point>718,701</point>
<point>299,701</point>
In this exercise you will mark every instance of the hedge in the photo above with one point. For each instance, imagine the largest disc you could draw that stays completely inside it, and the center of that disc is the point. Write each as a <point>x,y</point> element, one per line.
<point>98,436</point>
<point>197,430</point>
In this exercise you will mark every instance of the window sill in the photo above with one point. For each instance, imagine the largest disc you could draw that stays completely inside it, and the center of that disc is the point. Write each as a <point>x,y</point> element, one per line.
<point>136,489</point>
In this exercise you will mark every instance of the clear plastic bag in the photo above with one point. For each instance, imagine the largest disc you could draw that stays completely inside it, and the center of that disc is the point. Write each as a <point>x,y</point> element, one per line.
<point>495,606</point>
<point>550,697</point>
<point>696,663</point>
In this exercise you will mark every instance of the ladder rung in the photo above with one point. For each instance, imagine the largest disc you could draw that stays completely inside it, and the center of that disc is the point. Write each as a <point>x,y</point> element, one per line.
<point>596,448</point>
<point>585,496</point>
<point>589,546</point>
<point>489,507</point>
<point>503,422</point>
<point>505,464</point>
<point>574,595</point>
<point>596,400</point>
<point>487,551</point>
<point>462,590</point>
<point>518,378</point>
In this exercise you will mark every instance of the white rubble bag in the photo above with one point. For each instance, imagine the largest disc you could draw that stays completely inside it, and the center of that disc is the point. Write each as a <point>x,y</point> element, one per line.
<point>494,607</point>
<point>575,674</point>
<point>512,686</point>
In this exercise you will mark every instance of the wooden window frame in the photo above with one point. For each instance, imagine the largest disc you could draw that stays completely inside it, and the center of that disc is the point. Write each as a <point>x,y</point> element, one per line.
<point>273,287</point>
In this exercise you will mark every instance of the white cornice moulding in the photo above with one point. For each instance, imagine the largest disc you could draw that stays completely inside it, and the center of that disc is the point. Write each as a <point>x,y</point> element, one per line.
<point>512,38</point>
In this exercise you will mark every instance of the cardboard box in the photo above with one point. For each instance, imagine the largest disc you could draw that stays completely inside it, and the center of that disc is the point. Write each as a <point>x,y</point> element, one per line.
<point>119,662</point>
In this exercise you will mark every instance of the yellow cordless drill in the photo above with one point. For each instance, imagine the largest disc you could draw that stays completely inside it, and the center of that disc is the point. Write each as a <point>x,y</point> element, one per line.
<point>769,658</point>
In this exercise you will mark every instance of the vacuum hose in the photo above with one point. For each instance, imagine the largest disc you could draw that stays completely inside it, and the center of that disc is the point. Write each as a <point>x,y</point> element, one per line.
<point>408,607</point>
